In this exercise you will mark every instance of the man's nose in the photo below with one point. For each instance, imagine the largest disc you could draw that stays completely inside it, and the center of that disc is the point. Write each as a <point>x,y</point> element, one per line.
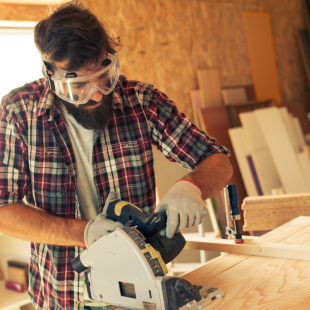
<point>96,96</point>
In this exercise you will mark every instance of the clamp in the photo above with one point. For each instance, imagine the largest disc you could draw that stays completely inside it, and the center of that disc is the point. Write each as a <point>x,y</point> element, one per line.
<point>231,202</point>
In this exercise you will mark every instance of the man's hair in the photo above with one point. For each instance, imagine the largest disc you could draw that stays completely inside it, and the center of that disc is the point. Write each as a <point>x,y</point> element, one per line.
<point>72,33</point>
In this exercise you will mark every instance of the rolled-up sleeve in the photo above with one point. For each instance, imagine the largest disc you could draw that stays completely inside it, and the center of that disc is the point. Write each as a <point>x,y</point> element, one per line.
<point>14,174</point>
<point>175,135</point>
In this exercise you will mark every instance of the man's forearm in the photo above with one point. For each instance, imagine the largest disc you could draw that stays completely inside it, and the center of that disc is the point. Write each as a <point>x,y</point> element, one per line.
<point>212,174</point>
<point>24,222</point>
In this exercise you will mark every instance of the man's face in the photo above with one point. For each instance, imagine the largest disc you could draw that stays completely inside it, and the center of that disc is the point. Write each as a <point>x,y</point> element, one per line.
<point>97,112</point>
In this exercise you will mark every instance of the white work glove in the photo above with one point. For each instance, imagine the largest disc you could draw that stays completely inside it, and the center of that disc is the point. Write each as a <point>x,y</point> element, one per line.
<point>184,207</point>
<point>101,225</point>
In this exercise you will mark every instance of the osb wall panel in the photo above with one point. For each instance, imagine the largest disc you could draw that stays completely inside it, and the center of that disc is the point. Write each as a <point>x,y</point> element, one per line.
<point>166,41</point>
<point>22,12</point>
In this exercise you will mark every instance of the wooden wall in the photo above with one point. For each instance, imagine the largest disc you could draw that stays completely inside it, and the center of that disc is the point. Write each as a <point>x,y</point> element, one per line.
<point>166,41</point>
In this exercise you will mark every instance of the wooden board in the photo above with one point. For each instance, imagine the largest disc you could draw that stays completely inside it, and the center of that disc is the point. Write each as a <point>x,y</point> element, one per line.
<point>251,282</point>
<point>298,134</point>
<point>262,56</point>
<point>210,85</point>
<point>235,109</point>
<point>265,166</point>
<point>242,150</point>
<point>304,47</point>
<point>196,104</point>
<point>304,164</point>
<point>282,150</point>
<point>298,110</point>
<point>232,95</point>
<point>288,126</point>
<point>269,212</point>
<point>265,249</point>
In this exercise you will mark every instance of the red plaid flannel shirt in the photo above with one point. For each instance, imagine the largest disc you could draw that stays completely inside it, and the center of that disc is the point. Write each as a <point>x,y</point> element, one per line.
<point>37,163</point>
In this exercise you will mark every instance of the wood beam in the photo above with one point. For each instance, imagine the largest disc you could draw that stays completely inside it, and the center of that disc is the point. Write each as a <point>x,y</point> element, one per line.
<point>265,249</point>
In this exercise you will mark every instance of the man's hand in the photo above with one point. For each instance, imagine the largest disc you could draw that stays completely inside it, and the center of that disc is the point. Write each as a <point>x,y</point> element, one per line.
<point>184,207</point>
<point>101,225</point>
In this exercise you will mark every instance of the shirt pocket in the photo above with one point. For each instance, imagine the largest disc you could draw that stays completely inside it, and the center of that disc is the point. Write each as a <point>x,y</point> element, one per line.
<point>48,171</point>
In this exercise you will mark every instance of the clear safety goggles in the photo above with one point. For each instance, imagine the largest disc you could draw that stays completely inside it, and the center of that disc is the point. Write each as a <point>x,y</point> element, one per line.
<point>78,90</point>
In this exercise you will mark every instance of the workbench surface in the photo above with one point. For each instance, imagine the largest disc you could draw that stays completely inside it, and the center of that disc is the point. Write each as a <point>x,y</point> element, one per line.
<point>253,282</point>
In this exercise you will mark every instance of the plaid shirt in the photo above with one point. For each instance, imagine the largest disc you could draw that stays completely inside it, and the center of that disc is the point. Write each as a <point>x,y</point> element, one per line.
<point>37,163</point>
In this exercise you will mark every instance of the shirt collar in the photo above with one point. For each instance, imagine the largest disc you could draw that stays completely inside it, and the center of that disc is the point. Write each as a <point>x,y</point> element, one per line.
<point>46,101</point>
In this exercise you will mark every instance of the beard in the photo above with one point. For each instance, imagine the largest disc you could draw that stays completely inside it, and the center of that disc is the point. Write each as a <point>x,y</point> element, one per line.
<point>91,118</point>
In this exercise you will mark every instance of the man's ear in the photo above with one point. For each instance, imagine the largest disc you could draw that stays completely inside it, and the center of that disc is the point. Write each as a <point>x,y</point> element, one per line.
<point>50,72</point>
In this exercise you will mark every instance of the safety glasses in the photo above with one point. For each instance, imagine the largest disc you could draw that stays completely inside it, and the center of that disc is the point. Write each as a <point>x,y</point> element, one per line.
<point>78,90</point>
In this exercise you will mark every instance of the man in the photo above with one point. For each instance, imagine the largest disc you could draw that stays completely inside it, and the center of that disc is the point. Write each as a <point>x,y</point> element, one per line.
<point>81,133</point>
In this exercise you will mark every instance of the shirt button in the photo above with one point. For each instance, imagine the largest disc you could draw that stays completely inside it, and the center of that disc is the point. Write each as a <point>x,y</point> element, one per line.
<point>127,146</point>
<point>48,153</point>
<point>77,303</point>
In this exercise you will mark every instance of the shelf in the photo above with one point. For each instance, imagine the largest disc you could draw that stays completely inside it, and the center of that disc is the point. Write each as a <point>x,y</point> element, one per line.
<point>10,299</point>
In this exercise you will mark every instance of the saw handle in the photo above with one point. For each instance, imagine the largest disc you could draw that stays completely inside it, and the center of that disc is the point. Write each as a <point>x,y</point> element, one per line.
<point>125,212</point>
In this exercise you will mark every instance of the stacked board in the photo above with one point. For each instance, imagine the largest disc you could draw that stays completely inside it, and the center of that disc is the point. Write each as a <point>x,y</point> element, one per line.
<point>270,212</point>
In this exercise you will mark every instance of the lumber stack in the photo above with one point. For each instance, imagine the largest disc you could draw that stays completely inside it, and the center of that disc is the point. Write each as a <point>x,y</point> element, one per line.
<point>270,212</point>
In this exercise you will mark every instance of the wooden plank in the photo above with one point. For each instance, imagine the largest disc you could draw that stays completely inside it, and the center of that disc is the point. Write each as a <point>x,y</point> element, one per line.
<point>303,41</point>
<point>288,126</point>
<point>281,233</point>
<point>298,110</point>
<point>277,250</point>
<point>269,212</point>
<point>242,150</point>
<point>235,109</point>
<point>269,199</point>
<point>232,95</point>
<point>281,150</point>
<point>196,104</point>
<point>254,175</point>
<point>260,282</point>
<point>298,134</point>
<point>304,164</point>
<point>265,167</point>
<point>210,85</point>
<point>300,237</point>
<point>262,56</point>
<point>214,267</point>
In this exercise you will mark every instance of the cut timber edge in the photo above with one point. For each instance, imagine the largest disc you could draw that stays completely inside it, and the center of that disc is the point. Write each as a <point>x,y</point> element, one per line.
<point>265,249</point>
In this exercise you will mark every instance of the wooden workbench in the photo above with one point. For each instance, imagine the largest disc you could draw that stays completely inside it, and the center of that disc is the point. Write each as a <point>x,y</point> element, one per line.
<point>254,282</point>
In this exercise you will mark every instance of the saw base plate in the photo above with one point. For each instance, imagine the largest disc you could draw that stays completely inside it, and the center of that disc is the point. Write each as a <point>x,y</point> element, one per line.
<point>207,293</point>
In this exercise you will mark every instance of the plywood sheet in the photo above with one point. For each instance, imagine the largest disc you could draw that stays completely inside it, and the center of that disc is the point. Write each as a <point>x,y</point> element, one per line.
<point>281,149</point>
<point>298,110</point>
<point>298,134</point>
<point>304,164</point>
<point>196,104</point>
<point>262,56</point>
<point>288,126</point>
<point>210,85</point>
<point>304,47</point>
<point>265,166</point>
<point>233,95</point>
<point>242,150</point>
<point>270,212</point>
